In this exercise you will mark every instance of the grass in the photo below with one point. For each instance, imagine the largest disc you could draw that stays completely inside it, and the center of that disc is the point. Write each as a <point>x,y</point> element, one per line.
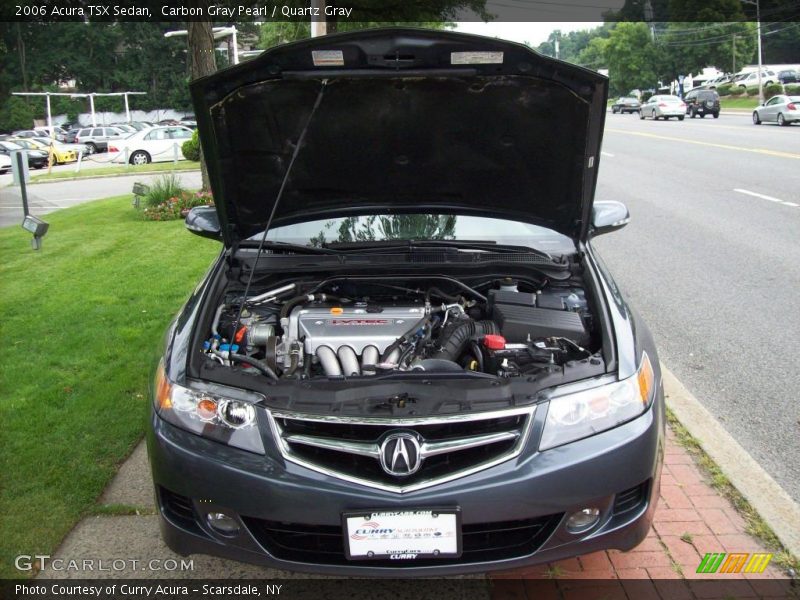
<point>83,323</point>
<point>755,525</point>
<point>182,165</point>
<point>741,102</point>
<point>162,189</point>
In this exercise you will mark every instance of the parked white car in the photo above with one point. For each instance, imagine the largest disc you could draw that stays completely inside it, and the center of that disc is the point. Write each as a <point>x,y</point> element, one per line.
<point>159,144</point>
<point>783,110</point>
<point>5,164</point>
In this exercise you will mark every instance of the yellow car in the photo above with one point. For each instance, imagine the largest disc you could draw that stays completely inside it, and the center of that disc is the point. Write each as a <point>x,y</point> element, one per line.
<point>61,153</point>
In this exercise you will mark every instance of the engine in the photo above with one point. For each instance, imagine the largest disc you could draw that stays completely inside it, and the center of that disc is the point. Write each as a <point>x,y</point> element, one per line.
<point>370,330</point>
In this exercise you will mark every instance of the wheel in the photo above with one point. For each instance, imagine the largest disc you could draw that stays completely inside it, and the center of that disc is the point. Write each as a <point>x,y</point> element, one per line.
<point>681,118</point>
<point>692,112</point>
<point>756,118</point>
<point>91,148</point>
<point>140,157</point>
<point>716,115</point>
<point>614,111</point>
<point>781,120</point>
<point>702,115</point>
<point>641,115</point>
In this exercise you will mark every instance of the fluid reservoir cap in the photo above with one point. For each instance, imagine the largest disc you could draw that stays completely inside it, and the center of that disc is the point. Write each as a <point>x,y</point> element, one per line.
<point>494,342</point>
<point>337,310</point>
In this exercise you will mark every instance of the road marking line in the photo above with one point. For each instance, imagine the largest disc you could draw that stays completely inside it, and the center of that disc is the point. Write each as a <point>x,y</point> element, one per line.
<point>608,154</point>
<point>790,204</point>
<point>710,144</point>
<point>757,195</point>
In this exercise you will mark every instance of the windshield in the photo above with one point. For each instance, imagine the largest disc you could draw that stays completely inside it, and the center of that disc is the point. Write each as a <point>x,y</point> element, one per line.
<point>377,228</point>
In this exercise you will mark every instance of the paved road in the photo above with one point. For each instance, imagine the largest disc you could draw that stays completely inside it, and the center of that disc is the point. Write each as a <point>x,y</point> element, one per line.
<point>711,260</point>
<point>101,160</point>
<point>47,197</point>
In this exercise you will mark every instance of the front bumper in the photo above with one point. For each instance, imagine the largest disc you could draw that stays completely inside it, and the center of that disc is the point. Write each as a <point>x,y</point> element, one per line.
<point>542,488</point>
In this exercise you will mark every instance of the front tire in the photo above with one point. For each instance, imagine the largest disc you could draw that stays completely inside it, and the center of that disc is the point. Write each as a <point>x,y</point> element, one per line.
<point>716,115</point>
<point>756,118</point>
<point>692,113</point>
<point>140,157</point>
<point>641,115</point>
<point>680,118</point>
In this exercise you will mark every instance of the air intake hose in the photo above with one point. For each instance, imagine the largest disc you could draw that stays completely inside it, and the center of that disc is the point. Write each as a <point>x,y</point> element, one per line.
<point>454,342</point>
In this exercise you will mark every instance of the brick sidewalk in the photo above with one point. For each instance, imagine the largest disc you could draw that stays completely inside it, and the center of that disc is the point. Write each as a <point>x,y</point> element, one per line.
<point>691,520</point>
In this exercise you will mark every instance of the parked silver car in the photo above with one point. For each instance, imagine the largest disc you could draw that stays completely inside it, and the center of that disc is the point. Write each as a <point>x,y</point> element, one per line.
<point>663,107</point>
<point>783,110</point>
<point>96,138</point>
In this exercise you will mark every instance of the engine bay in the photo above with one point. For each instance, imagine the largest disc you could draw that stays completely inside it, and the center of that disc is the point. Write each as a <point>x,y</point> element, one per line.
<point>348,327</point>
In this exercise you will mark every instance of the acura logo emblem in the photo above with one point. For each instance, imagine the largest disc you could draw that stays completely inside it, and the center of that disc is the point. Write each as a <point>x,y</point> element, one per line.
<point>400,454</point>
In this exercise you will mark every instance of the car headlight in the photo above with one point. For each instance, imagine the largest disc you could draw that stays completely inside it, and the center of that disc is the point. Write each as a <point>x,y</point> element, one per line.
<point>224,420</point>
<point>582,414</point>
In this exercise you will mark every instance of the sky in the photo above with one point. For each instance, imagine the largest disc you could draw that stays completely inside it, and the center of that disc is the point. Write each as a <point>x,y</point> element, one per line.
<point>534,33</point>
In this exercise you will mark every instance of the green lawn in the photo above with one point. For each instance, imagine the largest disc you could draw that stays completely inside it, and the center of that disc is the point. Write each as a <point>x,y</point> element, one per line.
<point>85,172</point>
<point>742,102</point>
<point>82,324</point>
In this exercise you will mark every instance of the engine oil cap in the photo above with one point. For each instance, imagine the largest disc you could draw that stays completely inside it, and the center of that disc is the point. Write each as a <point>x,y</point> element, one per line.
<point>337,310</point>
<point>494,342</point>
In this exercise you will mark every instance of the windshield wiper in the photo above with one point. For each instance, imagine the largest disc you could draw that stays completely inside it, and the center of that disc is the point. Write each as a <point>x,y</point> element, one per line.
<point>393,245</point>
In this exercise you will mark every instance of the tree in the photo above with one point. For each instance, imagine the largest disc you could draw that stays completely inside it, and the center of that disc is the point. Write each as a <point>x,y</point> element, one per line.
<point>632,58</point>
<point>16,114</point>
<point>202,63</point>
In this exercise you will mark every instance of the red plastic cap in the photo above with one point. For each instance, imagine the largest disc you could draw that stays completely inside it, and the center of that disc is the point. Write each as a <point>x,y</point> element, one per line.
<point>494,342</point>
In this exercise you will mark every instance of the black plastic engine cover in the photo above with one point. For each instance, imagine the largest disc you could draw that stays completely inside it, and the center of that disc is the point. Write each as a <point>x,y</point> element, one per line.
<point>518,322</point>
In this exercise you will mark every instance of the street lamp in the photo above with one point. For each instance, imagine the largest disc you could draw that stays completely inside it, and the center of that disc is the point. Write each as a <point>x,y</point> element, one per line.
<point>758,20</point>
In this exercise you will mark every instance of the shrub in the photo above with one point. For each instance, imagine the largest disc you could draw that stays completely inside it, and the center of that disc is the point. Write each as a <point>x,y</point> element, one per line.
<point>178,206</point>
<point>792,89</point>
<point>752,91</point>
<point>165,187</point>
<point>771,90</point>
<point>725,89</point>
<point>191,148</point>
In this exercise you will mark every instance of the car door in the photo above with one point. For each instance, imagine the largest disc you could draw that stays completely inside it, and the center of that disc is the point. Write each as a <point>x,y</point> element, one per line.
<point>770,110</point>
<point>157,143</point>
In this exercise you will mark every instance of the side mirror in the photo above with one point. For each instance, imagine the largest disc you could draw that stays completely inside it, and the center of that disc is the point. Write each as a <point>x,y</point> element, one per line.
<point>608,216</point>
<point>203,221</point>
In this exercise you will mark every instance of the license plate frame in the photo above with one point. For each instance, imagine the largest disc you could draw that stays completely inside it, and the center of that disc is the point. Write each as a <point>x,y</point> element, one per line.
<point>407,549</point>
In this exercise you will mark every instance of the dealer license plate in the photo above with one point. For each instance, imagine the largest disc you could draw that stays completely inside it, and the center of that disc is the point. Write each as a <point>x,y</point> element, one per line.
<point>402,535</point>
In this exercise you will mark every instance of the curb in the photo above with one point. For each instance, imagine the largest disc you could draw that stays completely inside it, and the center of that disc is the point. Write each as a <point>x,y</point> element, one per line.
<point>33,180</point>
<point>769,499</point>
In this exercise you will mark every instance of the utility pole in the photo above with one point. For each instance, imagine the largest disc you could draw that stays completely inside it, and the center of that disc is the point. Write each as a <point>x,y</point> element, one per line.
<point>733,56</point>
<point>757,4</point>
<point>318,25</point>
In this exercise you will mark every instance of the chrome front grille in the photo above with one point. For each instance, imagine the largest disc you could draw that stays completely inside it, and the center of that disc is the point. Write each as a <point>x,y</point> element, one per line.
<point>401,455</point>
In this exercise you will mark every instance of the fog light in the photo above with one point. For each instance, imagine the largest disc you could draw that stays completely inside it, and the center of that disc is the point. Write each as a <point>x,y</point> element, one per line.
<point>583,520</point>
<point>222,523</point>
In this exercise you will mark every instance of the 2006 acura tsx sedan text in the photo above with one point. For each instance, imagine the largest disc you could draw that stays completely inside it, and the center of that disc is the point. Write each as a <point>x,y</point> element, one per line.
<point>407,359</point>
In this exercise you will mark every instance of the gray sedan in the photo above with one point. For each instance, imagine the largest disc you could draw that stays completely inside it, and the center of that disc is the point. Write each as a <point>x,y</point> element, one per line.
<point>783,110</point>
<point>663,107</point>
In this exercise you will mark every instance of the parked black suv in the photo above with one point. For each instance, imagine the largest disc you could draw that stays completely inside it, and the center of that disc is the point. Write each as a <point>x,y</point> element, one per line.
<point>702,103</point>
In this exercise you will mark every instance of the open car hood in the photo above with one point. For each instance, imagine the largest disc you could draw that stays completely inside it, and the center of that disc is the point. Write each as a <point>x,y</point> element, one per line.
<point>408,121</point>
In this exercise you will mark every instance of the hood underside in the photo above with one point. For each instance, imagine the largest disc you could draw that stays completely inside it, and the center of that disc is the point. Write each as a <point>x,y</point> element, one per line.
<point>406,121</point>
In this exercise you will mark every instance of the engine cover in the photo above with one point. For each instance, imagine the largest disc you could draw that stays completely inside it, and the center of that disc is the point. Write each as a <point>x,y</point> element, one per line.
<point>354,326</point>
